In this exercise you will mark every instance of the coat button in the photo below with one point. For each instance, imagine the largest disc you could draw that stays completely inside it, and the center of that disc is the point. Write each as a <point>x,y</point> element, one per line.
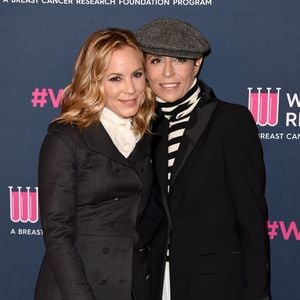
<point>116,199</point>
<point>103,281</point>
<point>105,250</point>
<point>126,147</point>
<point>123,281</point>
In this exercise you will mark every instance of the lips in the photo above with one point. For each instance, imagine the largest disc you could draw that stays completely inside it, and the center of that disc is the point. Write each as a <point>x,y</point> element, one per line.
<point>129,102</point>
<point>169,85</point>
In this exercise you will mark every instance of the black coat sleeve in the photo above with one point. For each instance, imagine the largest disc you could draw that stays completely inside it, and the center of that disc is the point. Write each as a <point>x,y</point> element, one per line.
<point>58,206</point>
<point>246,181</point>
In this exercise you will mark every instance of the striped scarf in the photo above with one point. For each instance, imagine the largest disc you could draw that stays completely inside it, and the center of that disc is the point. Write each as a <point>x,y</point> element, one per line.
<point>178,114</point>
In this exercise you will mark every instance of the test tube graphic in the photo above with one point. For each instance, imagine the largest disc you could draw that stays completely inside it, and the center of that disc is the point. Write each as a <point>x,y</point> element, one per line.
<point>264,106</point>
<point>23,205</point>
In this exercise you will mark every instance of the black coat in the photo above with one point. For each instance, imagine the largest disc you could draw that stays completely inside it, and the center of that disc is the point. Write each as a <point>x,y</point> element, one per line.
<point>91,202</point>
<point>216,212</point>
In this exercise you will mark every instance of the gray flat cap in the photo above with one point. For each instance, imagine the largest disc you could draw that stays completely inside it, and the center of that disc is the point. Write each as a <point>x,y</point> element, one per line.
<point>171,37</point>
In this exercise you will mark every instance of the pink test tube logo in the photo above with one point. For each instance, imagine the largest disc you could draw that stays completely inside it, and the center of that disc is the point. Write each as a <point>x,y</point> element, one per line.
<point>264,106</point>
<point>24,205</point>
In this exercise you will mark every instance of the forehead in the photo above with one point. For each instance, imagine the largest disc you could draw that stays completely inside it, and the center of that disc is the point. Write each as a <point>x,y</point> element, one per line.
<point>125,57</point>
<point>125,51</point>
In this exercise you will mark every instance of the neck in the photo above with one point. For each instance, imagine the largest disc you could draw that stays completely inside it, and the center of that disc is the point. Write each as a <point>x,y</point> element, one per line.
<point>181,107</point>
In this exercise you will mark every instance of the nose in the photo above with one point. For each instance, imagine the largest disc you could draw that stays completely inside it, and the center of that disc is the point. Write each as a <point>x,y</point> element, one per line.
<point>168,69</point>
<point>130,87</point>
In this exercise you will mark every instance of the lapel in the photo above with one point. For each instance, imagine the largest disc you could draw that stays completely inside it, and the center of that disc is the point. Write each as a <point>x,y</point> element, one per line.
<point>160,162</point>
<point>161,154</point>
<point>191,136</point>
<point>98,140</point>
<point>142,149</point>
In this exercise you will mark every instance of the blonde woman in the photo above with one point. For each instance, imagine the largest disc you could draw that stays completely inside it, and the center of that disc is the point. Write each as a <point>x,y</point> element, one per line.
<point>95,177</point>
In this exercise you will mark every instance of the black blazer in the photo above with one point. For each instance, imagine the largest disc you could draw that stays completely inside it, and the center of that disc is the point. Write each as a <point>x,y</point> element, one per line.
<point>216,212</point>
<point>91,201</point>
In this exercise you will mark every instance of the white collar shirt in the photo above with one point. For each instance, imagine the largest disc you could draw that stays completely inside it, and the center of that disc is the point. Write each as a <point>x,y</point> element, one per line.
<point>120,131</point>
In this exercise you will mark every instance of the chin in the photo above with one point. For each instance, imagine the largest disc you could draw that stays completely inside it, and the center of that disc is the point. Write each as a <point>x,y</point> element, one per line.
<point>169,98</point>
<point>129,114</point>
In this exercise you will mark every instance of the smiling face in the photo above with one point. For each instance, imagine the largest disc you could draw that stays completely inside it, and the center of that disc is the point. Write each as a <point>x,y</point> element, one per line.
<point>124,82</point>
<point>170,78</point>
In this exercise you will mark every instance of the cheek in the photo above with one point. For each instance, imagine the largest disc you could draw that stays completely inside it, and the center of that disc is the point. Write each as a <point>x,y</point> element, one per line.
<point>141,85</point>
<point>154,86</point>
<point>110,92</point>
<point>153,82</point>
<point>188,76</point>
<point>106,89</point>
<point>152,73</point>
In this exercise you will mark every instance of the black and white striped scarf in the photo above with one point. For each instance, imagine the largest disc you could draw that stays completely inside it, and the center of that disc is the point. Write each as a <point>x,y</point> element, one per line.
<point>178,113</point>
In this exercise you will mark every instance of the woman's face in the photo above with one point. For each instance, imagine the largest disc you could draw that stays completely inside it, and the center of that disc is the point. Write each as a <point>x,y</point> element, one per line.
<point>124,82</point>
<point>170,78</point>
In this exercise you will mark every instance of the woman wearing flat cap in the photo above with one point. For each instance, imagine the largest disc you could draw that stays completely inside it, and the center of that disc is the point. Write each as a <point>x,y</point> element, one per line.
<point>212,244</point>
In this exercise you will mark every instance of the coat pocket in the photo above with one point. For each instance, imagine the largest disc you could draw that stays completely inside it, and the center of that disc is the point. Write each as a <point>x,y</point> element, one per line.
<point>220,262</point>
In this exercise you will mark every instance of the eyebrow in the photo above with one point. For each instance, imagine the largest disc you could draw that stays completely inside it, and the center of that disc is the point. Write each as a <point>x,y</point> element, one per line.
<point>120,74</point>
<point>114,74</point>
<point>139,69</point>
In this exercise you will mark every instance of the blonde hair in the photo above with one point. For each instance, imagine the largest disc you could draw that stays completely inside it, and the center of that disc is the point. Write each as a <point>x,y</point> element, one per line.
<point>83,99</point>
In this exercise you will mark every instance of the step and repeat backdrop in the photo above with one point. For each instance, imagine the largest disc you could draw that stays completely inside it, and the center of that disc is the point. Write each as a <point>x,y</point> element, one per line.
<point>254,62</point>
